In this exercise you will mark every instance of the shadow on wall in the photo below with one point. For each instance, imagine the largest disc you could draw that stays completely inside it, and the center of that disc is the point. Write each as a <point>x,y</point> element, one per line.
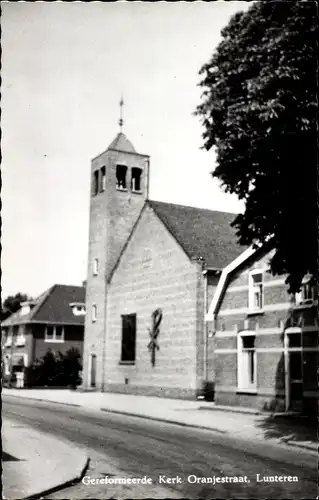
<point>300,426</point>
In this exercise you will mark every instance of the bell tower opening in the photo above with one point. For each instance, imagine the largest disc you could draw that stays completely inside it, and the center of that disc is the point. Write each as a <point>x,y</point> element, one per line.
<point>121,171</point>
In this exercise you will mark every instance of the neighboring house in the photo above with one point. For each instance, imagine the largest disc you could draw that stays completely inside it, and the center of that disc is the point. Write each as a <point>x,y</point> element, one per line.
<point>53,321</point>
<point>152,268</point>
<point>263,341</point>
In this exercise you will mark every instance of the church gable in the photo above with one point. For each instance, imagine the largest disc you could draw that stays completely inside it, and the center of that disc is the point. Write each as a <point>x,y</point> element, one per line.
<point>150,244</point>
<point>153,274</point>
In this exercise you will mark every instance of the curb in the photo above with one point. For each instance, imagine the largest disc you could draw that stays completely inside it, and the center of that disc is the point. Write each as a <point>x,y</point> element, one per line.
<point>165,421</point>
<point>304,446</point>
<point>58,487</point>
<point>45,400</point>
<point>231,410</point>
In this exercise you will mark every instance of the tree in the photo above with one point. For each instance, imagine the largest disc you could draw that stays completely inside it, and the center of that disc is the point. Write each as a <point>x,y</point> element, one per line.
<point>259,110</point>
<point>12,304</point>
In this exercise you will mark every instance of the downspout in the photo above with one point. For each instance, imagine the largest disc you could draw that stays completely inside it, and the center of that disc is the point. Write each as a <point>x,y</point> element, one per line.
<point>205,326</point>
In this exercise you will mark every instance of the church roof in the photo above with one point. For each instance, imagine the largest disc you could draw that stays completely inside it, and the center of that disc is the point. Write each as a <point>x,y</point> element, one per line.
<point>121,143</point>
<point>201,233</point>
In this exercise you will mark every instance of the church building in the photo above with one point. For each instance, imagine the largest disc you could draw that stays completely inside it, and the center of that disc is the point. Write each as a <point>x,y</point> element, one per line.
<point>153,268</point>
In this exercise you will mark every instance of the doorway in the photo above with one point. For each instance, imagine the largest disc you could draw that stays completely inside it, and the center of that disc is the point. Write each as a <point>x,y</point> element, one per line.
<point>295,372</point>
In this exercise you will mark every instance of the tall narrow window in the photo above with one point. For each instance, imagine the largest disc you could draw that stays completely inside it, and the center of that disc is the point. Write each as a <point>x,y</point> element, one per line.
<point>306,296</point>
<point>247,362</point>
<point>121,171</point>
<point>95,267</point>
<point>136,179</point>
<point>94,313</point>
<point>256,291</point>
<point>102,179</point>
<point>128,337</point>
<point>95,183</point>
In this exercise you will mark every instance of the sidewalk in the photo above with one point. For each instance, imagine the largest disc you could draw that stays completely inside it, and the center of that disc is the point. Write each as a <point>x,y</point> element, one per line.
<point>34,463</point>
<point>248,425</point>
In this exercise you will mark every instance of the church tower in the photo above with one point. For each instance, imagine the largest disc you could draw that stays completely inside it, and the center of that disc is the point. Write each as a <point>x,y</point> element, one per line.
<point>119,188</point>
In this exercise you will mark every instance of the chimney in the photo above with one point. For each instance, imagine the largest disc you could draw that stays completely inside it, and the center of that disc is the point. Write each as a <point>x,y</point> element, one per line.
<point>84,283</point>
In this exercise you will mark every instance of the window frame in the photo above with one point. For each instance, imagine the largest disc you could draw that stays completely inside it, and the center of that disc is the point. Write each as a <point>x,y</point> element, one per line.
<point>118,185</point>
<point>102,180</point>
<point>94,313</point>
<point>54,338</point>
<point>300,299</point>
<point>251,291</point>
<point>133,179</point>
<point>20,339</point>
<point>95,266</point>
<point>124,358</point>
<point>244,383</point>
<point>95,182</point>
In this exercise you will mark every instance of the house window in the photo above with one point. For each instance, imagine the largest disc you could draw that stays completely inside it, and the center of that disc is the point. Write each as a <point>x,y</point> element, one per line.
<point>306,296</point>
<point>256,291</point>
<point>7,365</point>
<point>136,179</point>
<point>96,267</point>
<point>20,338</point>
<point>121,171</point>
<point>128,338</point>
<point>103,180</point>
<point>95,185</point>
<point>247,362</point>
<point>54,333</point>
<point>94,313</point>
<point>8,342</point>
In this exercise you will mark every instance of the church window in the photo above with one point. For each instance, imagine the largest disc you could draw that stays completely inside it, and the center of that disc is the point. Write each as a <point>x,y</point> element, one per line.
<point>136,179</point>
<point>102,180</point>
<point>95,188</point>
<point>94,313</point>
<point>96,267</point>
<point>121,171</point>
<point>128,338</point>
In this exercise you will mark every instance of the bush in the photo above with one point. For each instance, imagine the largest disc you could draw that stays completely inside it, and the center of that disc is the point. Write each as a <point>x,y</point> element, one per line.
<point>55,370</point>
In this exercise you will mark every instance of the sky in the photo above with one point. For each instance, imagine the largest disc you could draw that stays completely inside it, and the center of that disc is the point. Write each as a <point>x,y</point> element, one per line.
<point>64,68</point>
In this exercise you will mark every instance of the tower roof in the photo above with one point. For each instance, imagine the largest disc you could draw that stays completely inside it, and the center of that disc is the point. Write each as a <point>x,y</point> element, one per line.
<point>121,143</point>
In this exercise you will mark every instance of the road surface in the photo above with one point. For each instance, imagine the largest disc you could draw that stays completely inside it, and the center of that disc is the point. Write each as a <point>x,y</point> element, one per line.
<point>176,460</point>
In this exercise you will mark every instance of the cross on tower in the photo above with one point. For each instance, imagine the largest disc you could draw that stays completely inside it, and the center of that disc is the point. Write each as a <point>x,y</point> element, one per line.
<point>121,121</point>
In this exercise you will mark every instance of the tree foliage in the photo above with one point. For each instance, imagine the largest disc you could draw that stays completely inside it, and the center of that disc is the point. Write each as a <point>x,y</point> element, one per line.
<point>259,110</point>
<point>12,304</point>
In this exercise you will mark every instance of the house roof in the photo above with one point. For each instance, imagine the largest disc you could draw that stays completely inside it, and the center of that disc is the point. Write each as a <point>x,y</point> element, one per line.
<point>52,306</point>
<point>121,143</point>
<point>203,234</point>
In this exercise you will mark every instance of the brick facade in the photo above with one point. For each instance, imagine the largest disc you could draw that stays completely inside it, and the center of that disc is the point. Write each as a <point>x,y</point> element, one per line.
<point>113,213</point>
<point>154,272</point>
<point>271,327</point>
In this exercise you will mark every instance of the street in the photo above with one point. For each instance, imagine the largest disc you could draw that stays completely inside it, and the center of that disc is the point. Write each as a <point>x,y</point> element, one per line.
<point>123,447</point>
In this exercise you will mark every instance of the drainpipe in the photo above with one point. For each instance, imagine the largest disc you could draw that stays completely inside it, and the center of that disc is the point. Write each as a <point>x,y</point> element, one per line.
<point>205,326</point>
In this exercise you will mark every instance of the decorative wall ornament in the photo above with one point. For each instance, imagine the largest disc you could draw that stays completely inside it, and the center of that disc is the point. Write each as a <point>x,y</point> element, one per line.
<point>152,346</point>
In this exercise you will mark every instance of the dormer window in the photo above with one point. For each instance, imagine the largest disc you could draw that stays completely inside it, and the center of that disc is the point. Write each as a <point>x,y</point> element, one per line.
<point>121,171</point>
<point>26,307</point>
<point>95,183</point>
<point>78,308</point>
<point>136,179</point>
<point>102,180</point>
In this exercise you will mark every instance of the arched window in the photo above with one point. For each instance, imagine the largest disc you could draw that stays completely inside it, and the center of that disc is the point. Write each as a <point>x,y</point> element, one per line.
<point>136,179</point>
<point>121,171</point>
